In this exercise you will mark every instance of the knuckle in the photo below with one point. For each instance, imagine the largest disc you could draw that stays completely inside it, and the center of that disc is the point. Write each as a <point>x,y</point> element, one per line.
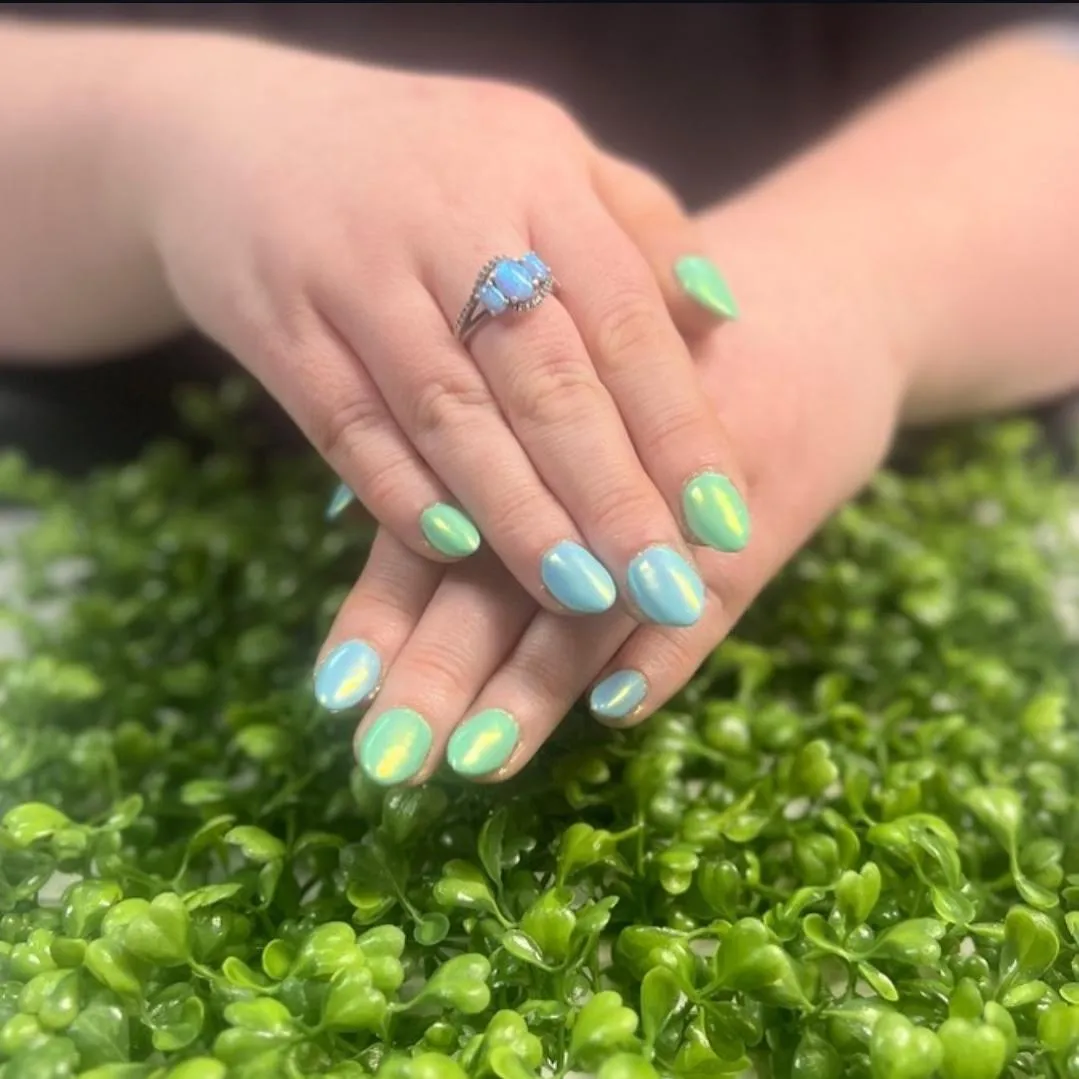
<point>622,511</point>
<point>560,387</point>
<point>440,404</point>
<point>628,324</point>
<point>383,487</point>
<point>679,425</point>
<point>339,431</point>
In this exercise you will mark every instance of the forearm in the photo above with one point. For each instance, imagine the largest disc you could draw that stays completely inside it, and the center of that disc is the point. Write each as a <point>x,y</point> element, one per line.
<point>952,210</point>
<point>78,275</point>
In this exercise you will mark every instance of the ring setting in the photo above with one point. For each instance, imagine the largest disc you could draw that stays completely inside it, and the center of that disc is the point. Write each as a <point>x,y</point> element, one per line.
<point>505,285</point>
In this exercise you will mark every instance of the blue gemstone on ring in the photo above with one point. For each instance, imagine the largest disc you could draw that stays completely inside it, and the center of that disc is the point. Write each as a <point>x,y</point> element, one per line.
<point>492,299</point>
<point>513,281</point>
<point>535,266</point>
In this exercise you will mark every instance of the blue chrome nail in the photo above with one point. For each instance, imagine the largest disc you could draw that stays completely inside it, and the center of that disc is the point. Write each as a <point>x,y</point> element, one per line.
<point>665,587</point>
<point>341,499</point>
<point>577,579</point>
<point>619,695</point>
<point>347,676</point>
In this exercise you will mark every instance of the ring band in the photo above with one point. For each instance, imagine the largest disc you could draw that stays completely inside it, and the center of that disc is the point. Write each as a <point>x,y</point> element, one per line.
<point>504,285</point>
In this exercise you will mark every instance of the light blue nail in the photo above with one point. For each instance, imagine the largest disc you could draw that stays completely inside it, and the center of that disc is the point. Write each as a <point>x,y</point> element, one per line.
<point>347,676</point>
<point>619,695</point>
<point>665,587</point>
<point>341,499</point>
<point>577,579</point>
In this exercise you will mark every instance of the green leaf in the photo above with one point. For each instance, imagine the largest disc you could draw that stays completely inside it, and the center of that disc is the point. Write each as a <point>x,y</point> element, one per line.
<point>626,1066</point>
<point>460,983</point>
<point>602,1027</point>
<point>972,1050</point>
<point>521,946</point>
<point>879,982</point>
<point>550,922</point>
<point>211,894</point>
<point>491,838</point>
<point>584,847</point>
<point>900,1050</point>
<point>1030,946</point>
<point>101,1034</point>
<point>176,1017</point>
<point>163,934</point>
<point>255,843</point>
<point>110,964</point>
<point>662,998</point>
<point>28,823</point>
<point>353,1003</point>
<point>856,893</point>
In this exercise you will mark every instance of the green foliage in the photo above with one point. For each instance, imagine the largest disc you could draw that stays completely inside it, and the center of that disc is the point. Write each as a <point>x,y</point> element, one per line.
<point>849,848</point>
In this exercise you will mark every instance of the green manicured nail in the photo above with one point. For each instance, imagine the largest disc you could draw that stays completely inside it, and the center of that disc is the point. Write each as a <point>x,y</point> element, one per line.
<point>395,746</point>
<point>483,743</point>
<point>702,282</point>
<point>716,513</point>
<point>449,531</point>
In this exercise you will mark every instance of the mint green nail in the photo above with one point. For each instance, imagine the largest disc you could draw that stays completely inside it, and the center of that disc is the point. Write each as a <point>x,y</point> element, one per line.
<point>483,743</point>
<point>716,513</point>
<point>340,501</point>
<point>395,746</point>
<point>702,282</point>
<point>449,531</point>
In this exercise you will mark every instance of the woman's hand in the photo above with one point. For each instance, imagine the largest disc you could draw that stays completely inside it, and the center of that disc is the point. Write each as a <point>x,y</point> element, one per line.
<point>325,221</point>
<point>809,390</point>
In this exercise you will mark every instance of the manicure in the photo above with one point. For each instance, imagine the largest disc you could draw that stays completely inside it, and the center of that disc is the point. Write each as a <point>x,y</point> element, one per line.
<point>618,696</point>
<point>449,531</point>
<point>716,513</point>
<point>341,499</point>
<point>665,587</point>
<point>395,746</point>
<point>577,579</point>
<point>347,676</point>
<point>703,283</point>
<point>483,743</point>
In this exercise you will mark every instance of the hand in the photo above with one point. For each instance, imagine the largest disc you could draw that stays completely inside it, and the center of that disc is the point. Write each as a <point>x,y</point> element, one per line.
<point>807,387</point>
<point>325,221</point>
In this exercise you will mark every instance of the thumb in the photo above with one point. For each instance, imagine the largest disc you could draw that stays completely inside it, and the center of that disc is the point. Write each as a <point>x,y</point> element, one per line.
<point>650,213</point>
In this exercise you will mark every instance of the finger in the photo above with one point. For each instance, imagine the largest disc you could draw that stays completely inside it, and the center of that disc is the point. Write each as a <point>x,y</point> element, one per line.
<point>445,407</point>
<point>340,409</point>
<point>644,364</point>
<point>471,623</point>
<point>540,373</point>
<point>696,292</point>
<point>639,668</point>
<point>651,666</point>
<point>374,622</point>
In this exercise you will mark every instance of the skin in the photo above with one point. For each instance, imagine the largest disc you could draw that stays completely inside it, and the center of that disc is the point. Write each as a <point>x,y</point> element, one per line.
<point>919,264</point>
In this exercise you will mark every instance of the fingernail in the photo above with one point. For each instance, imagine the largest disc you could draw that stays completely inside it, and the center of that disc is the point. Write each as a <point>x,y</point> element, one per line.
<point>395,746</point>
<point>702,282</point>
<point>347,676</point>
<point>665,587</point>
<point>715,512</point>
<point>577,579</point>
<point>340,501</point>
<point>483,743</point>
<point>449,530</point>
<point>619,695</point>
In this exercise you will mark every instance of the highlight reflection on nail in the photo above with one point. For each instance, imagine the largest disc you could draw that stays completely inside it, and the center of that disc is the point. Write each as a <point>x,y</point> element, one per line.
<point>395,746</point>
<point>341,499</point>
<point>619,695</point>
<point>347,676</point>
<point>483,743</point>
<point>665,587</point>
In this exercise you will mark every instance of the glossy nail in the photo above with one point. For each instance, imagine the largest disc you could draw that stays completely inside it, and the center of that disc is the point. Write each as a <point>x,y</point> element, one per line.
<point>618,696</point>
<point>665,587</point>
<point>340,501</point>
<point>577,579</point>
<point>483,743</point>
<point>395,746</point>
<point>347,676</point>
<point>449,531</point>
<point>703,283</point>
<point>715,512</point>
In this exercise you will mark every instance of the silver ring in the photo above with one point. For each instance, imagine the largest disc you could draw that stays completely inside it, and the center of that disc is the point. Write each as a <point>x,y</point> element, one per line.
<point>504,285</point>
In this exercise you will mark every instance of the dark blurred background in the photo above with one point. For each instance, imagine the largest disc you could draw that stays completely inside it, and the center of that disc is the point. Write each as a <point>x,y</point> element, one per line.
<point>709,95</point>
